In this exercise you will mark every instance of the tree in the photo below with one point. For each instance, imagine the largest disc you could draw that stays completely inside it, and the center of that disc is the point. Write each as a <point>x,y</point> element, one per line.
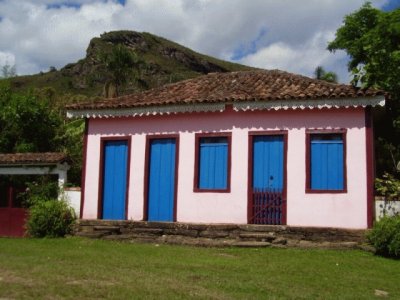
<point>27,123</point>
<point>122,64</point>
<point>8,71</point>
<point>321,74</point>
<point>371,38</point>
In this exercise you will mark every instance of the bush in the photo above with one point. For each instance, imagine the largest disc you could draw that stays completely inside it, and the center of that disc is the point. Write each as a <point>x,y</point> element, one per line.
<point>385,236</point>
<point>50,218</point>
<point>388,186</point>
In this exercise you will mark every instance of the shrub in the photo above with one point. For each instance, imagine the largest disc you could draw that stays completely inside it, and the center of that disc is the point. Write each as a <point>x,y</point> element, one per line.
<point>388,186</point>
<point>385,236</point>
<point>50,218</point>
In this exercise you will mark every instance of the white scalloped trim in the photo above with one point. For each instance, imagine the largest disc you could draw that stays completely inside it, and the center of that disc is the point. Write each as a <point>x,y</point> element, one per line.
<point>310,104</point>
<point>219,107</point>
<point>145,111</point>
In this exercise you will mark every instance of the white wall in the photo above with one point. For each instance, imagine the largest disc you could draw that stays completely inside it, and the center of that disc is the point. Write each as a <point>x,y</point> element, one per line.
<point>73,197</point>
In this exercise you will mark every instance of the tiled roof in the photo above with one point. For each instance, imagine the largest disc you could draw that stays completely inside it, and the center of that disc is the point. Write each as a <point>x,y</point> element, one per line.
<point>260,85</point>
<point>32,158</point>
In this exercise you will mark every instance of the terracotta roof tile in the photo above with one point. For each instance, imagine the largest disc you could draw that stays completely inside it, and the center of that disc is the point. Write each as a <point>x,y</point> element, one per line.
<point>32,158</point>
<point>260,85</point>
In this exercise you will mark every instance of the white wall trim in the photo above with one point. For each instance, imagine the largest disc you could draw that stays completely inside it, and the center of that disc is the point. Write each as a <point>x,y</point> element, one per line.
<point>145,111</point>
<point>60,170</point>
<point>237,106</point>
<point>310,104</point>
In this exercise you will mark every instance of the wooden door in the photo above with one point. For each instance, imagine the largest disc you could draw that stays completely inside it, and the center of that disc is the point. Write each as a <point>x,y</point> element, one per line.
<point>161,181</point>
<point>115,172</point>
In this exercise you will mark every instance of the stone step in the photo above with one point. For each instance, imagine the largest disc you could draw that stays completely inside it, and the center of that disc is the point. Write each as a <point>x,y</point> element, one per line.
<point>83,228</point>
<point>153,231</point>
<point>251,244</point>
<point>106,228</point>
<point>220,235</point>
<point>195,241</point>
<point>262,228</point>
<point>92,235</point>
<point>133,238</point>
<point>214,234</point>
<point>259,236</point>
<point>90,222</point>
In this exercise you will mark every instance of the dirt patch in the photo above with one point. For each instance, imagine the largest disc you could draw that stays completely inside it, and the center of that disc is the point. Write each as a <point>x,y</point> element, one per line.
<point>227,255</point>
<point>86,282</point>
<point>9,277</point>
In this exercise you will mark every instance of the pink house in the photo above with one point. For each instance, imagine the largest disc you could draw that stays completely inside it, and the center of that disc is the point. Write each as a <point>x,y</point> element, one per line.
<point>259,147</point>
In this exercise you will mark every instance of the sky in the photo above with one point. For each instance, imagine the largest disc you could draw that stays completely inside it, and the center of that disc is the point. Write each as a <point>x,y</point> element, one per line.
<point>288,35</point>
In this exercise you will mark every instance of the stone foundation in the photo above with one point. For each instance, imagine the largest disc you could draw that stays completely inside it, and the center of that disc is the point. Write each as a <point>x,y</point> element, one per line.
<point>223,235</point>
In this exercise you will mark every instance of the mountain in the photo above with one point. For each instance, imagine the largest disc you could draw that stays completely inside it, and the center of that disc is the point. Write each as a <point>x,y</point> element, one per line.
<point>165,62</point>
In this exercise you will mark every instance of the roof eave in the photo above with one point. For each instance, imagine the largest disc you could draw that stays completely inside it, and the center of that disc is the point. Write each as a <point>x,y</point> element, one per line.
<point>220,106</point>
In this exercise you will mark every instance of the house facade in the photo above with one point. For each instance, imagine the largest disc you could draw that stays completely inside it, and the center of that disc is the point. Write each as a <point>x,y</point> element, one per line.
<point>258,147</point>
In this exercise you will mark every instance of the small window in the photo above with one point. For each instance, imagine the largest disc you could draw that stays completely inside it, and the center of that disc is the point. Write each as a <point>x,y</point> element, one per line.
<point>326,162</point>
<point>212,163</point>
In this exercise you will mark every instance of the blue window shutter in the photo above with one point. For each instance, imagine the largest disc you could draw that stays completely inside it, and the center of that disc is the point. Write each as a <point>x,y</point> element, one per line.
<point>327,156</point>
<point>213,164</point>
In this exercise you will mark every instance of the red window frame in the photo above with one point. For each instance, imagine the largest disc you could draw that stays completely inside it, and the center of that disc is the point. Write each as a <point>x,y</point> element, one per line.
<point>309,132</point>
<point>198,136</point>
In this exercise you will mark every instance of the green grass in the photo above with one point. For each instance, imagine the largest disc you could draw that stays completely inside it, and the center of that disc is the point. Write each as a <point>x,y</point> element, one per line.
<point>80,268</point>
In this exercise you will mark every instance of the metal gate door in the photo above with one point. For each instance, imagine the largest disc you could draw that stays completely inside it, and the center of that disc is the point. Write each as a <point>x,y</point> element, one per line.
<point>267,203</point>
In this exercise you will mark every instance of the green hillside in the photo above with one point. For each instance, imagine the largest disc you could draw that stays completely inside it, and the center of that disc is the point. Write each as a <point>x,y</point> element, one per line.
<point>165,62</point>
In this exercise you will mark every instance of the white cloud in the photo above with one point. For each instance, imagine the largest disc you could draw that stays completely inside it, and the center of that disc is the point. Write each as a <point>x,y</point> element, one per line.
<point>301,58</point>
<point>7,58</point>
<point>295,39</point>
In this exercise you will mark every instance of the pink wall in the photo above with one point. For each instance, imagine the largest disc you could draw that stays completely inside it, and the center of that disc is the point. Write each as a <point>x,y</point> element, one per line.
<point>347,210</point>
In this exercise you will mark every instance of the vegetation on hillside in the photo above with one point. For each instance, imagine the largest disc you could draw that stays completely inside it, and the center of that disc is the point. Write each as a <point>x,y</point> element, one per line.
<point>163,62</point>
<point>122,65</point>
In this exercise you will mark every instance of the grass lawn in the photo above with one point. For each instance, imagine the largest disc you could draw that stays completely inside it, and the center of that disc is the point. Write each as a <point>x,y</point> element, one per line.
<point>81,268</point>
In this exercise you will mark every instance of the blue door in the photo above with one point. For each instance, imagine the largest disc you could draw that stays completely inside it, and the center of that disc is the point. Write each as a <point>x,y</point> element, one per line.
<point>161,185</point>
<point>268,162</point>
<point>267,184</point>
<point>115,167</point>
